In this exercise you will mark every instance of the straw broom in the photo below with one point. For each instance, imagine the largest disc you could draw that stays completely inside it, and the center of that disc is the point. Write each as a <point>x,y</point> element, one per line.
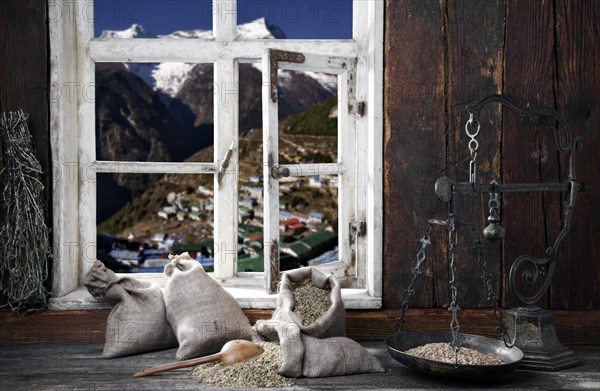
<point>24,246</point>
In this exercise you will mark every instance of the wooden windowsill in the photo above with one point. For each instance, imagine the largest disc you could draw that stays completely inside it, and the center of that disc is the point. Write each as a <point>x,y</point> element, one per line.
<point>248,297</point>
<point>89,326</point>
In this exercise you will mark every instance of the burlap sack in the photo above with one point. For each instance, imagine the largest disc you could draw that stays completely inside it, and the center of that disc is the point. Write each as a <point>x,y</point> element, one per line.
<point>202,314</point>
<point>332,323</point>
<point>138,321</point>
<point>313,357</point>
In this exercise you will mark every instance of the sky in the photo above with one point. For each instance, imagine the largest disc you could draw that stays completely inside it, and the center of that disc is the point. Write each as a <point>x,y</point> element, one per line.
<point>299,19</point>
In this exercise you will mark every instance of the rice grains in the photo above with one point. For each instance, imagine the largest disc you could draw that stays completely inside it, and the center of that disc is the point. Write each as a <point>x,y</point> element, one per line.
<point>310,302</point>
<point>443,352</point>
<point>256,372</point>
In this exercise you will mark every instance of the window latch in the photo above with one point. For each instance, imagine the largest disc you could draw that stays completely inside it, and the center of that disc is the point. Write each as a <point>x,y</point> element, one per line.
<point>225,162</point>
<point>278,172</point>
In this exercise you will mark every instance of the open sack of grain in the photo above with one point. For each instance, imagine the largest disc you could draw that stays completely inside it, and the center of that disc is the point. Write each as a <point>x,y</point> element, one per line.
<point>138,321</point>
<point>203,315</point>
<point>309,324</point>
<point>312,300</point>
<point>315,357</point>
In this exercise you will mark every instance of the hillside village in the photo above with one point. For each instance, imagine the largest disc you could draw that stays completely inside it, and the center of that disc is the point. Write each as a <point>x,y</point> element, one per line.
<point>186,220</point>
<point>176,214</point>
<point>164,112</point>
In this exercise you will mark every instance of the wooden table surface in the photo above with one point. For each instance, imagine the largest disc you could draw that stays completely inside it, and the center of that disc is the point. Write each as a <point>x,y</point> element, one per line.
<point>80,367</point>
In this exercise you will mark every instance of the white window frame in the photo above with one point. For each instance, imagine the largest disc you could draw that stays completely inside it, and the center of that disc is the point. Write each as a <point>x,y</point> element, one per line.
<point>73,53</point>
<point>345,168</point>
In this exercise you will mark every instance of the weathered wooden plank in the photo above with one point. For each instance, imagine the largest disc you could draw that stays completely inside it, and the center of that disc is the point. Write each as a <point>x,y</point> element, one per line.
<point>572,327</point>
<point>23,71</point>
<point>69,327</point>
<point>475,65</point>
<point>79,367</point>
<point>577,284</point>
<point>413,142</point>
<point>528,78</point>
<point>270,184</point>
<point>24,76</point>
<point>196,50</point>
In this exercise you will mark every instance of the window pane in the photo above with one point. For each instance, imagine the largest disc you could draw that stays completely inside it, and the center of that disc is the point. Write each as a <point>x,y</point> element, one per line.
<point>293,19</point>
<point>308,219</point>
<point>169,214</point>
<point>308,111</point>
<point>153,112</point>
<point>153,18</point>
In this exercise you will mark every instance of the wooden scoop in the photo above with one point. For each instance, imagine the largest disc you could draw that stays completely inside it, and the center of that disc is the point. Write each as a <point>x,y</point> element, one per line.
<point>231,353</point>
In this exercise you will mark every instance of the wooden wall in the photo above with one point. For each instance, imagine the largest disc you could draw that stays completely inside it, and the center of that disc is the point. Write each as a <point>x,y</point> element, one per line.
<point>442,55</point>
<point>439,56</point>
<point>24,77</point>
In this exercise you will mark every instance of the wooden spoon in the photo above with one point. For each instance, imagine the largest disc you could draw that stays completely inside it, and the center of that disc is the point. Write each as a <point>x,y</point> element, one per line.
<point>231,353</point>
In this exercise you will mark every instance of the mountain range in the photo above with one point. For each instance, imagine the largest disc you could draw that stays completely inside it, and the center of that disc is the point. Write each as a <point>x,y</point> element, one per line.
<point>164,111</point>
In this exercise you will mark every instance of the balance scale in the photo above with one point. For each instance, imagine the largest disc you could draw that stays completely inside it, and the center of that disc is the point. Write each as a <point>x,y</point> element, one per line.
<point>528,339</point>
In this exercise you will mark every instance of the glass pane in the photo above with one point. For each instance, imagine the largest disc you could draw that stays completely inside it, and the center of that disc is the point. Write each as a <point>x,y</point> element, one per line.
<point>153,18</point>
<point>308,220</point>
<point>153,112</point>
<point>293,19</point>
<point>308,225</point>
<point>250,184</point>
<point>308,111</point>
<point>168,214</point>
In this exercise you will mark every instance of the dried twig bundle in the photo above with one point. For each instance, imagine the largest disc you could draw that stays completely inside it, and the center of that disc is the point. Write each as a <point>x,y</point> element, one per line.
<point>24,246</point>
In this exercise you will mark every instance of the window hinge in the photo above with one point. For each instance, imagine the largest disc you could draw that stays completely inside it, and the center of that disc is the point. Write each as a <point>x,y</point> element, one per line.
<point>360,110</point>
<point>275,57</point>
<point>357,108</point>
<point>358,228</point>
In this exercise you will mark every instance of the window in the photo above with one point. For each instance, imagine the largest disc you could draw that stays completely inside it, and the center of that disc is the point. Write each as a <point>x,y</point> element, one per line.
<point>357,170</point>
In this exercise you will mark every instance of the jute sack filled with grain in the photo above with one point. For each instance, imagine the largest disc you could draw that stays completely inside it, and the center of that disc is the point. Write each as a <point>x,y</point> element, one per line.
<point>317,314</point>
<point>315,357</point>
<point>138,321</point>
<point>202,314</point>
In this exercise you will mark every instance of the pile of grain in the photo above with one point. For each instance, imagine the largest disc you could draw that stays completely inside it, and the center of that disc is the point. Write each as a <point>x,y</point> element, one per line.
<point>310,302</point>
<point>256,372</point>
<point>443,352</point>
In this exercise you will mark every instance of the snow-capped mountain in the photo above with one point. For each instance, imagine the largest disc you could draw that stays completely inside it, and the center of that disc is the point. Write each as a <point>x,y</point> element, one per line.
<point>169,78</point>
<point>164,111</point>
<point>135,31</point>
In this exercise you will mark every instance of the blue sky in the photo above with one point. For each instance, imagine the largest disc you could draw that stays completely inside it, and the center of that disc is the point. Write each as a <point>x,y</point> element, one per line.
<point>299,19</point>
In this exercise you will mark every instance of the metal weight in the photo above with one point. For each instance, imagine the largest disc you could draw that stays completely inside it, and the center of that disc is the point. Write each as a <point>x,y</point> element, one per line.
<point>443,188</point>
<point>494,230</point>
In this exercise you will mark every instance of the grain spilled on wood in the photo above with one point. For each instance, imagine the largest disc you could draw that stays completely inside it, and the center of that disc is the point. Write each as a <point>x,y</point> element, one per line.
<point>257,372</point>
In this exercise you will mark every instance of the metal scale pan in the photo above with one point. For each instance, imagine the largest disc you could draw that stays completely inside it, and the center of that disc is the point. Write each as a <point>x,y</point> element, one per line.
<point>399,343</point>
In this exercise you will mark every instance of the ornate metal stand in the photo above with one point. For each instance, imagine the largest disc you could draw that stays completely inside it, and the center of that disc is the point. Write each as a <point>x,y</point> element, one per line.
<point>535,336</point>
<point>529,340</point>
<point>531,327</point>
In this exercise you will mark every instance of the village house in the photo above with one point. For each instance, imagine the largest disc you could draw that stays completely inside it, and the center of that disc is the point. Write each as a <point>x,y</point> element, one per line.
<point>315,181</point>
<point>316,218</point>
<point>206,191</point>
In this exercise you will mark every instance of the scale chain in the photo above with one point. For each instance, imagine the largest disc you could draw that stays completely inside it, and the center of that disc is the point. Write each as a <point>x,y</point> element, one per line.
<point>473,146</point>
<point>486,276</point>
<point>416,272</point>
<point>454,308</point>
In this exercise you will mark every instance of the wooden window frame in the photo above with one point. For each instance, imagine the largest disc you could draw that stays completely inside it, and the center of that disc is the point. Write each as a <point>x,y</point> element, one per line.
<point>73,54</point>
